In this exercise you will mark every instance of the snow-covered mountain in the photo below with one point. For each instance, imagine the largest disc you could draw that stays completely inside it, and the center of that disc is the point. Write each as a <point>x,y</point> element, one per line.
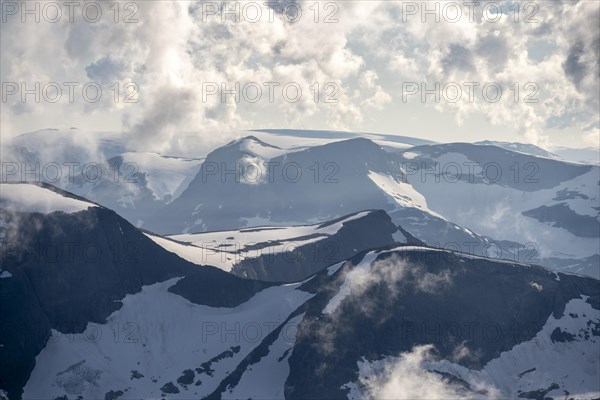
<point>587,155</point>
<point>286,253</point>
<point>549,205</point>
<point>140,184</point>
<point>301,139</point>
<point>508,200</point>
<point>100,166</point>
<point>146,323</point>
<point>482,199</point>
<point>291,187</point>
<point>525,148</point>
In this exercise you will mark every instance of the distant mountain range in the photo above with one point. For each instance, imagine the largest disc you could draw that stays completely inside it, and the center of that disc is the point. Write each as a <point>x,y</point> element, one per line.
<point>505,200</point>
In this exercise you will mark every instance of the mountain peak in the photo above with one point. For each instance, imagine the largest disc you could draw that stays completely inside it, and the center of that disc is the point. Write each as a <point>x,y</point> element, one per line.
<point>251,139</point>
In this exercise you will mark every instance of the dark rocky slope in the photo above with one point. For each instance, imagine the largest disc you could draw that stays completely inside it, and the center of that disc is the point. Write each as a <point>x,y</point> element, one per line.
<point>69,269</point>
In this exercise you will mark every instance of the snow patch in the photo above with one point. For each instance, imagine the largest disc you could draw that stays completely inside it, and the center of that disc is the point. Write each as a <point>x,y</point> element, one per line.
<point>409,155</point>
<point>401,193</point>
<point>24,197</point>
<point>399,237</point>
<point>159,335</point>
<point>266,379</point>
<point>224,249</point>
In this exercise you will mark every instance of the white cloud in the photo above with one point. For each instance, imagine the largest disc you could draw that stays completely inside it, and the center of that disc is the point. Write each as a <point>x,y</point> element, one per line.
<point>407,377</point>
<point>393,273</point>
<point>173,50</point>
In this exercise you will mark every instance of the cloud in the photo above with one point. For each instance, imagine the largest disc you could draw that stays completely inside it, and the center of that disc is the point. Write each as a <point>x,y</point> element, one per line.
<point>393,271</point>
<point>175,48</point>
<point>352,288</point>
<point>106,70</point>
<point>407,377</point>
<point>592,137</point>
<point>484,52</point>
<point>396,275</point>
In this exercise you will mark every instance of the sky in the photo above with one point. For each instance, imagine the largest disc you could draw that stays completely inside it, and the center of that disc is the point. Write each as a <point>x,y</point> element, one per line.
<point>446,71</point>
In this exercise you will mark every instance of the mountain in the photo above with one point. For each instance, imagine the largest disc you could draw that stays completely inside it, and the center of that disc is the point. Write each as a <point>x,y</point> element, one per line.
<point>345,266</point>
<point>286,254</point>
<point>314,184</point>
<point>588,155</point>
<point>548,205</point>
<point>535,314</point>
<point>525,148</point>
<point>505,200</point>
<point>67,262</point>
<point>99,166</point>
<point>140,184</point>
<point>296,138</point>
<point>92,307</point>
<point>481,199</point>
<point>402,317</point>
